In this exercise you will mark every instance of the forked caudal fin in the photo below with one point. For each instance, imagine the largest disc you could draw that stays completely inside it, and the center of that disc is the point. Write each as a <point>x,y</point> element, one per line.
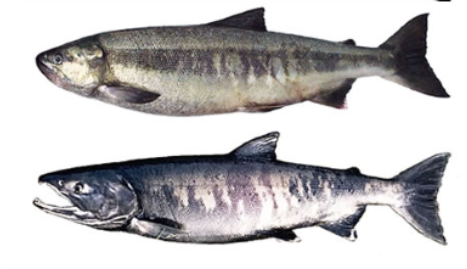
<point>420,186</point>
<point>412,68</point>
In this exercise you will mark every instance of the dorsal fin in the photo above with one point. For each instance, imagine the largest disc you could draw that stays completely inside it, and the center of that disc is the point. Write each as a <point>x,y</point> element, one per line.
<point>248,20</point>
<point>260,148</point>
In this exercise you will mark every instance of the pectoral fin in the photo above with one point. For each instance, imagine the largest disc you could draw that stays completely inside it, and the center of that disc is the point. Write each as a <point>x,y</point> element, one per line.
<point>127,94</point>
<point>253,107</point>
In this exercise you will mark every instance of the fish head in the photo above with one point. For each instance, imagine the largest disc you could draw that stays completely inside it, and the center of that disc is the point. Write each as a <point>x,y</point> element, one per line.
<point>100,199</point>
<point>78,66</point>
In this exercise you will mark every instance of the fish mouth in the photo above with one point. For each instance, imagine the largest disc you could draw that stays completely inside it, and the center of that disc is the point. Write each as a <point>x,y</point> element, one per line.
<point>44,65</point>
<point>52,73</point>
<point>75,214</point>
<point>46,68</point>
<point>68,211</point>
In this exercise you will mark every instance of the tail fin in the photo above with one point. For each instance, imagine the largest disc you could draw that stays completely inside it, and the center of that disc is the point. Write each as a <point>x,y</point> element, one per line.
<point>421,183</point>
<point>412,68</point>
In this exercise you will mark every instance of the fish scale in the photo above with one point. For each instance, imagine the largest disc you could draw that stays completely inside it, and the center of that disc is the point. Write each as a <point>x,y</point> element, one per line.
<point>232,65</point>
<point>244,195</point>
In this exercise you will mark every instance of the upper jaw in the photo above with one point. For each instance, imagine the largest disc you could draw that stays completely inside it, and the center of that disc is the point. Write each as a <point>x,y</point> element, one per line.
<point>49,71</point>
<point>45,67</point>
<point>68,212</point>
<point>52,73</point>
<point>57,77</point>
<point>43,62</point>
<point>77,215</point>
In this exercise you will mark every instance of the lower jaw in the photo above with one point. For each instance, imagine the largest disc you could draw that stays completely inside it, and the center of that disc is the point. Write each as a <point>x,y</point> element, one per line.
<point>72,212</point>
<point>55,78</point>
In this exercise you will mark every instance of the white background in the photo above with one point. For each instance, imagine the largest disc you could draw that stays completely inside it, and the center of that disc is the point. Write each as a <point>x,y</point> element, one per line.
<point>385,129</point>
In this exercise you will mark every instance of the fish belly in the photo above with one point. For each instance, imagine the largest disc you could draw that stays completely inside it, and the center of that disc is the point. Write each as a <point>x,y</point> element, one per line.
<point>250,199</point>
<point>236,71</point>
<point>223,91</point>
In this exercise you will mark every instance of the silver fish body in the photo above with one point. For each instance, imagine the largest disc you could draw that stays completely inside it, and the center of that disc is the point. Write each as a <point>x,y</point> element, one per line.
<point>245,195</point>
<point>233,65</point>
<point>224,200</point>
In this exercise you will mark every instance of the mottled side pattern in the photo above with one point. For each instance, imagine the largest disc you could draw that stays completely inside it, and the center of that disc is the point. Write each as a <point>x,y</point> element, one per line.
<point>218,199</point>
<point>202,70</point>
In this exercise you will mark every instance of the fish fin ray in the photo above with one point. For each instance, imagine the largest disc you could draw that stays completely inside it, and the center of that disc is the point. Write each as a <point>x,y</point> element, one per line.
<point>260,148</point>
<point>345,227</point>
<point>248,20</point>
<point>335,98</point>
<point>153,229</point>
<point>409,48</point>
<point>262,108</point>
<point>164,222</point>
<point>127,94</point>
<point>284,235</point>
<point>421,184</point>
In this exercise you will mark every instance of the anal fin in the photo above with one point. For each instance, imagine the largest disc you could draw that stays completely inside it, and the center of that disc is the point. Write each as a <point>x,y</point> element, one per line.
<point>335,97</point>
<point>284,235</point>
<point>345,227</point>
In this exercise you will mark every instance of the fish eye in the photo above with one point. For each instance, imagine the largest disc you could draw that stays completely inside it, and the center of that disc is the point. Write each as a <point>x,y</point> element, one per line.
<point>78,188</point>
<point>58,59</point>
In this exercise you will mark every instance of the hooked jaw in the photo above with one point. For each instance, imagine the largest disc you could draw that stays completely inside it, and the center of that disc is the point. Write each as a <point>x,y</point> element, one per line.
<point>68,212</point>
<point>72,212</point>
<point>75,214</point>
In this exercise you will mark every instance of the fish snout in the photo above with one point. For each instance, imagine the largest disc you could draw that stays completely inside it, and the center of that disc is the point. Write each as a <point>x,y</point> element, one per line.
<point>51,179</point>
<point>44,65</point>
<point>41,59</point>
<point>44,179</point>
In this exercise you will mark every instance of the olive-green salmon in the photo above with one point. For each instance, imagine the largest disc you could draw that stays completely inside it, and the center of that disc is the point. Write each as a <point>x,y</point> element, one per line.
<point>230,65</point>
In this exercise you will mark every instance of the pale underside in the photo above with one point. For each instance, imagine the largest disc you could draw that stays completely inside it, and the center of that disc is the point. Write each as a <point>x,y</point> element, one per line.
<point>213,207</point>
<point>226,70</point>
